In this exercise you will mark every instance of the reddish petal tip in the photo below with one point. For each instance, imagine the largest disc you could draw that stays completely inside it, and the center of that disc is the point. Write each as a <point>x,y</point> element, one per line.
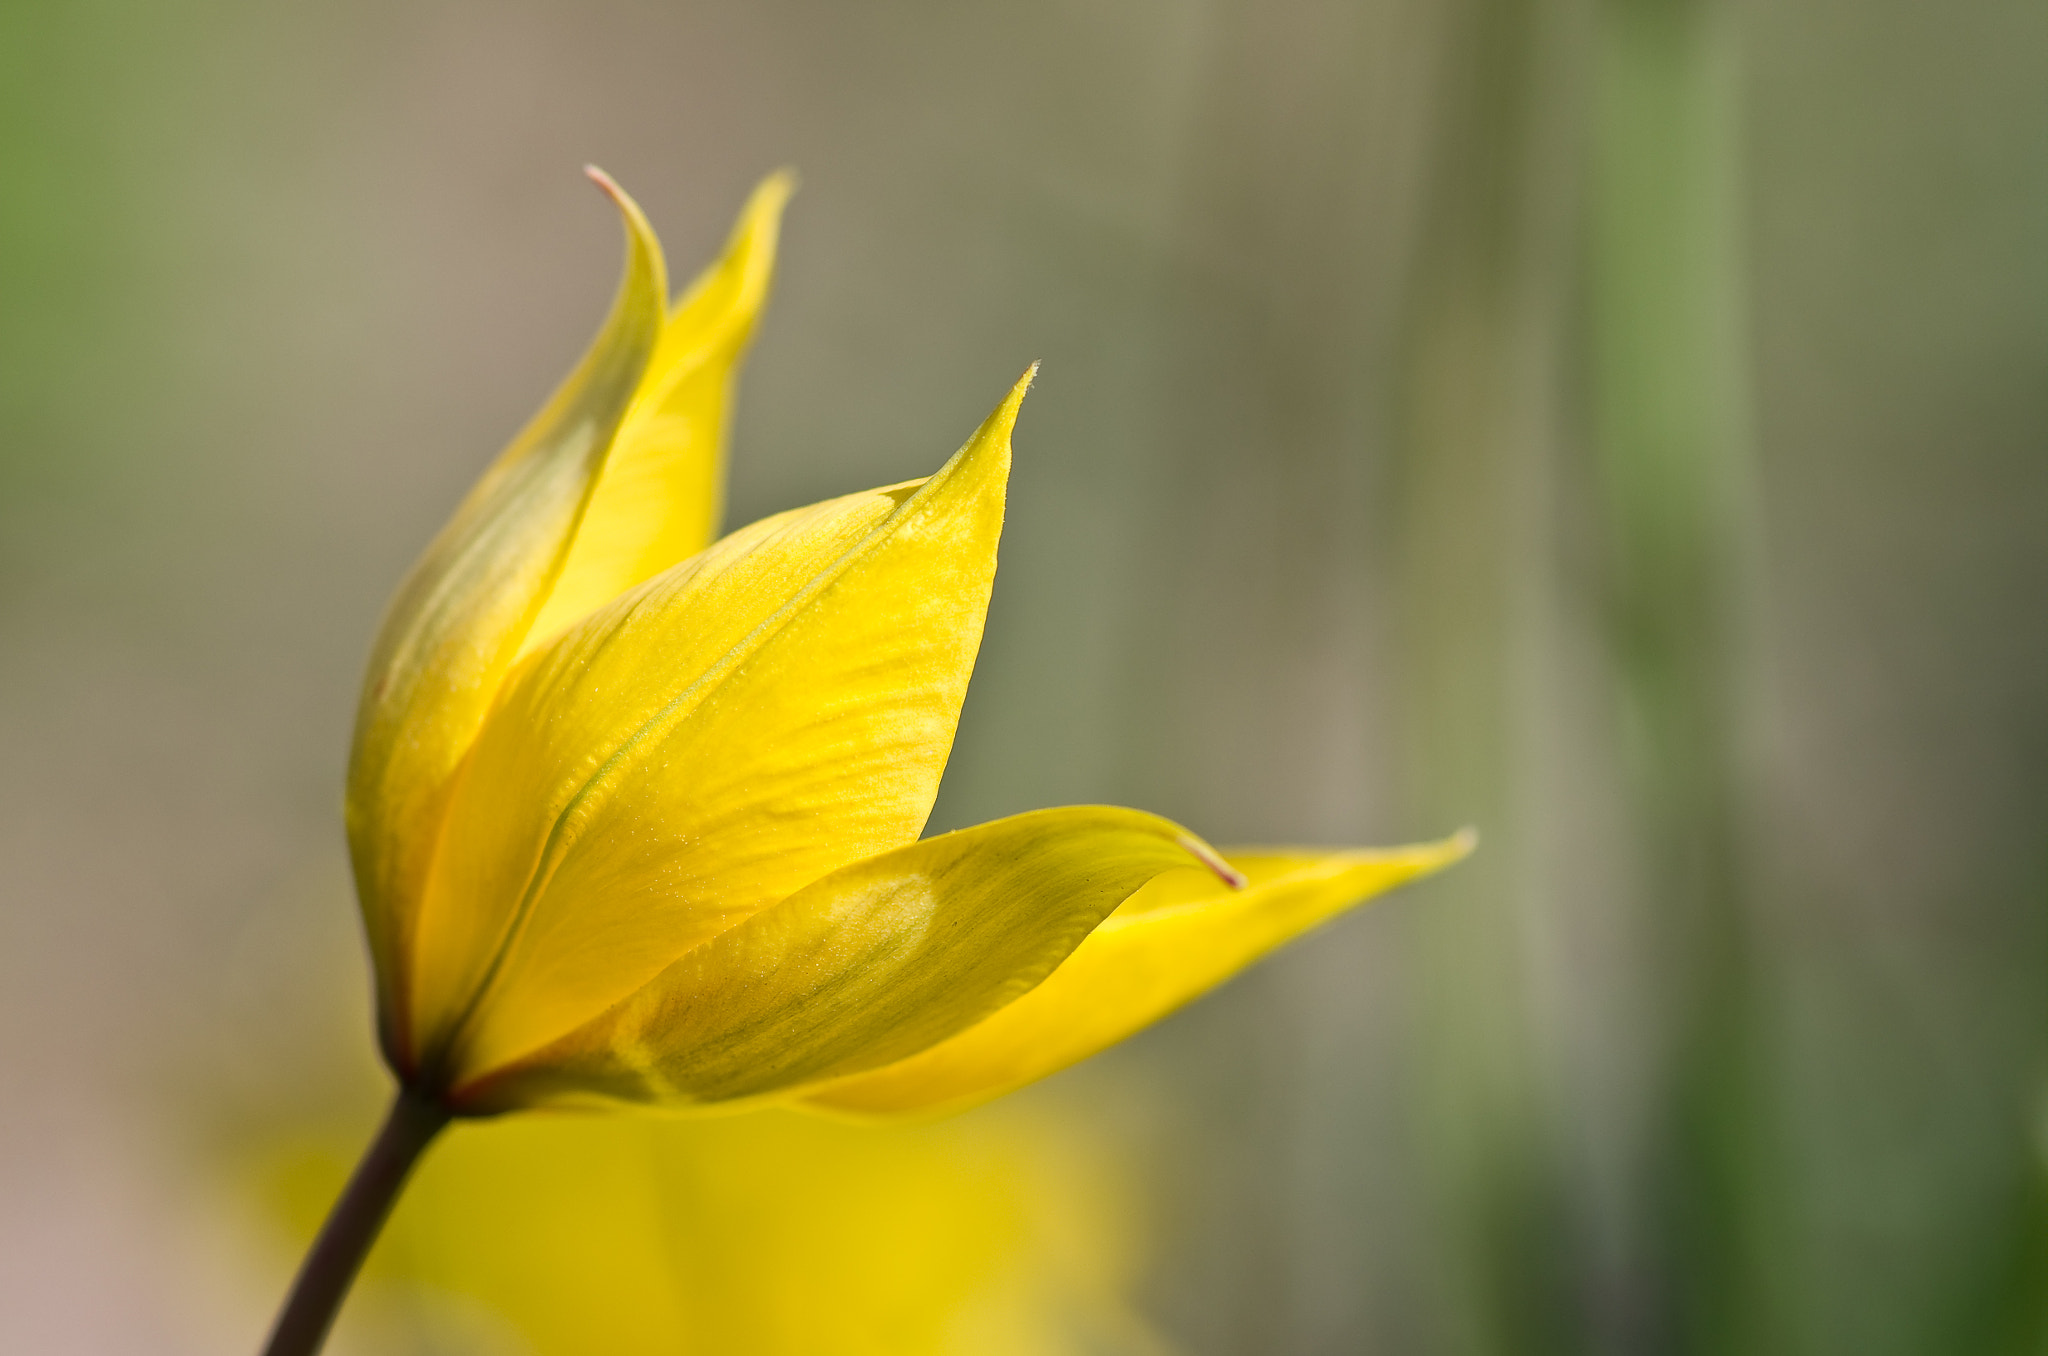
<point>1212,859</point>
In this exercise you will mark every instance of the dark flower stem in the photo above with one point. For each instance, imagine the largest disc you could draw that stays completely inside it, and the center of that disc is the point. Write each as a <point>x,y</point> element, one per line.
<point>345,1239</point>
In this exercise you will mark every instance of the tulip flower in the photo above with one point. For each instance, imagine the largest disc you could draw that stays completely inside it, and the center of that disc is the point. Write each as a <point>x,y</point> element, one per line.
<point>635,815</point>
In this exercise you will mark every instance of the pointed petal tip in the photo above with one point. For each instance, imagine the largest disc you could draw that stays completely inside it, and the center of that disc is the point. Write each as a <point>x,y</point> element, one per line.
<point>760,219</point>
<point>619,196</point>
<point>636,220</point>
<point>1441,853</point>
<point>993,437</point>
<point>644,244</point>
<point>1213,859</point>
<point>1004,417</point>
<point>775,189</point>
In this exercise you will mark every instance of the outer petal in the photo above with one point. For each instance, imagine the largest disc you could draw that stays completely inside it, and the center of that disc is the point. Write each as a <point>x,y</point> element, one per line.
<point>663,487</point>
<point>460,617</point>
<point>570,721</point>
<point>1166,946</point>
<point>729,733</point>
<point>875,961</point>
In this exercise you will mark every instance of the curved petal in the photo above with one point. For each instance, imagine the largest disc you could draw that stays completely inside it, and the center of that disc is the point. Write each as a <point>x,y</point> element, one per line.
<point>1169,944</point>
<point>873,962</point>
<point>663,487</point>
<point>459,619</point>
<point>730,732</point>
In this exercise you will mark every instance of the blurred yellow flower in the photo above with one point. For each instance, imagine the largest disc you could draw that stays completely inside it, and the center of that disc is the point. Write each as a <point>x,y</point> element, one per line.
<point>1011,1234</point>
<point>635,815</point>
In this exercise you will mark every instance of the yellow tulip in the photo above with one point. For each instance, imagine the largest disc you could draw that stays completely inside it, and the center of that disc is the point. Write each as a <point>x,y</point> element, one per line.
<point>635,815</point>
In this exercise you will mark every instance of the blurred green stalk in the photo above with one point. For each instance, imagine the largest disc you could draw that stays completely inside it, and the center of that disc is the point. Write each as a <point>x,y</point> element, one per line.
<point>1669,437</point>
<point>1476,486</point>
<point>1645,182</point>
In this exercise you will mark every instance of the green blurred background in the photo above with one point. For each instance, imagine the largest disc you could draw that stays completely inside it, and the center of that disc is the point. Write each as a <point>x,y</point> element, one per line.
<point>1618,424</point>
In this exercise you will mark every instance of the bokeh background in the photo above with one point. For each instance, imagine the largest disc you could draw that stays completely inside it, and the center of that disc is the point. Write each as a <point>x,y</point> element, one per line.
<point>1618,424</point>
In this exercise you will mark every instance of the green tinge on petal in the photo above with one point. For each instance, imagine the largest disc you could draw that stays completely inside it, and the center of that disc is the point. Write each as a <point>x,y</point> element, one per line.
<point>1169,944</point>
<point>866,966</point>
<point>663,487</point>
<point>735,729</point>
<point>459,619</point>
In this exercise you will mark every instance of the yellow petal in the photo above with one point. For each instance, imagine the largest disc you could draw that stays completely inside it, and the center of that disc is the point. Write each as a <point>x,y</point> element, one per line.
<point>1169,944</point>
<point>664,483</point>
<point>872,963</point>
<point>460,617</point>
<point>548,756</point>
<point>702,748</point>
